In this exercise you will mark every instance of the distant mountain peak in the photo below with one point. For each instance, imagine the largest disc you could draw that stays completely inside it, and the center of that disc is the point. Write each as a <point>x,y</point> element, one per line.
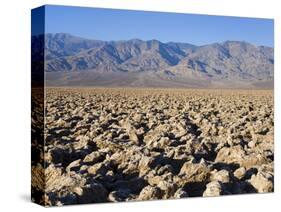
<point>225,62</point>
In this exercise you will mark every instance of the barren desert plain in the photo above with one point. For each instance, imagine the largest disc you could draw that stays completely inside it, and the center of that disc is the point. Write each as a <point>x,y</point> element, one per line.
<point>123,144</point>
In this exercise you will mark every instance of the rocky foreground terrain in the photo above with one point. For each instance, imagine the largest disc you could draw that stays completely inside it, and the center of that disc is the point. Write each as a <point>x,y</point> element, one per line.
<point>111,145</point>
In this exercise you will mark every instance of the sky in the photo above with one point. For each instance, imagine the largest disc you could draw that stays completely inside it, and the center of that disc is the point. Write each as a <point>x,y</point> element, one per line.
<point>109,24</point>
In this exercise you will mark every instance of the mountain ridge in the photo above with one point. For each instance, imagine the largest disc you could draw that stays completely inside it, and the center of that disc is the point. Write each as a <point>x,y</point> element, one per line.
<point>217,63</point>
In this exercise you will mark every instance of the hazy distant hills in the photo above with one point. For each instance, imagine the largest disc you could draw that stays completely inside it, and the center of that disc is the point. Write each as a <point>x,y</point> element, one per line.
<point>74,61</point>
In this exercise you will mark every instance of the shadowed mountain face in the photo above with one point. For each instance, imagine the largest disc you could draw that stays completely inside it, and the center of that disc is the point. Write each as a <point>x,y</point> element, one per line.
<point>77,61</point>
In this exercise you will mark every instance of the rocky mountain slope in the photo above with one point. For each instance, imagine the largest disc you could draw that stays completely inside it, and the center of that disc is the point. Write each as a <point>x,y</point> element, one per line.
<point>72,60</point>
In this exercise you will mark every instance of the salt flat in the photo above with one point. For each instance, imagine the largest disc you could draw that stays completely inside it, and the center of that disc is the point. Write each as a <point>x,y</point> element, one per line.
<point>123,144</point>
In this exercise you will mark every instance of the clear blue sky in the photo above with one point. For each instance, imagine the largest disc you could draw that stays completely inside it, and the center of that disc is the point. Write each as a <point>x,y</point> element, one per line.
<point>107,24</point>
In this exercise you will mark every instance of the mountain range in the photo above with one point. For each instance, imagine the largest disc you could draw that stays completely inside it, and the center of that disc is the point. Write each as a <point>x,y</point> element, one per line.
<point>76,61</point>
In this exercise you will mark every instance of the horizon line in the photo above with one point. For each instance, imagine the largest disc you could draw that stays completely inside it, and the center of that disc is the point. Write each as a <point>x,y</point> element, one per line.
<point>165,42</point>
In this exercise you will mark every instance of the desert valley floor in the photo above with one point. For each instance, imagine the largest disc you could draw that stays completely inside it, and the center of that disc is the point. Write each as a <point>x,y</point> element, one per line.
<point>122,144</point>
